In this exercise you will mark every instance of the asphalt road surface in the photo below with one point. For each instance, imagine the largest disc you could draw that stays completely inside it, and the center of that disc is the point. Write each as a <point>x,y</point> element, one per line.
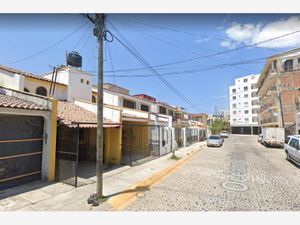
<point>242,175</point>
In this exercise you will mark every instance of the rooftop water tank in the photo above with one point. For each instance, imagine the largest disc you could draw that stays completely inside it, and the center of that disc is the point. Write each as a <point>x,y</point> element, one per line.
<point>74,59</point>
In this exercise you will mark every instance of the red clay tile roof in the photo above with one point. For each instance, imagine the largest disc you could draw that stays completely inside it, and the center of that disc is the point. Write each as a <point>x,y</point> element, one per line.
<point>26,74</point>
<point>7,101</point>
<point>68,113</point>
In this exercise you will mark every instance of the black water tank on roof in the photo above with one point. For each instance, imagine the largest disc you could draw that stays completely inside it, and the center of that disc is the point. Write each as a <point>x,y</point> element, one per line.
<point>74,59</point>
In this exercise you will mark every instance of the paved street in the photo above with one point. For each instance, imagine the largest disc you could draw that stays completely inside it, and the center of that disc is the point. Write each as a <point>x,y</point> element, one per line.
<point>242,175</point>
<point>57,196</point>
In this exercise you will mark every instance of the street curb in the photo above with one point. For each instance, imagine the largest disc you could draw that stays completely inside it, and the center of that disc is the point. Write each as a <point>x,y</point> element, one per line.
<point>126,197</point>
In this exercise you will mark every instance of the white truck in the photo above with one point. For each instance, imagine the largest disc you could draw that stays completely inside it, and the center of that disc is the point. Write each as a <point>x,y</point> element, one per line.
<point>273,136</point>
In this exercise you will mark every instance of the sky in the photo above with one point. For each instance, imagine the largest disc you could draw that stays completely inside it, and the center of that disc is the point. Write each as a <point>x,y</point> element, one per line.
<point>198,55</point>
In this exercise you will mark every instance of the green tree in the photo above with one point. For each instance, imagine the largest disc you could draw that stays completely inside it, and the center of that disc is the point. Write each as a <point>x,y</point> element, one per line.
<point>217,126</point>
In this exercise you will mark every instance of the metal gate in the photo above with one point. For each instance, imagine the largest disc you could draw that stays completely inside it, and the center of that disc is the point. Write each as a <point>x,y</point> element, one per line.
<point>191,136</point>
<point>140,143</point>
<point>67,147</point>
<point>178,137</point>
<point>21,145</point>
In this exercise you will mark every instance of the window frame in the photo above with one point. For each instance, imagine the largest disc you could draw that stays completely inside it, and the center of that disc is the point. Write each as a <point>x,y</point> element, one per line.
<point>162,107</point>
<point>129,101</point>
<point>286,65</point>
<point>144,105</point>
<point>41,88</point>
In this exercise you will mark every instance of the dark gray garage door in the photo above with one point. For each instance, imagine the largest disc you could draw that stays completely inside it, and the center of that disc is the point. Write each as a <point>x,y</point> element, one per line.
<point>21,144</point>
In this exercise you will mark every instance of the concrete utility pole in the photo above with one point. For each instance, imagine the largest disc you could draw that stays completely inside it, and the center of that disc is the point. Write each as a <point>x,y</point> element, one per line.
<point>278,94</point>
<point>99,22</point>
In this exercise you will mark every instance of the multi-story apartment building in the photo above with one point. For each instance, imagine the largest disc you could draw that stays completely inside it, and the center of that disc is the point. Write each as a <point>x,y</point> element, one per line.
<point>278,90</point>
<point>244,105</point>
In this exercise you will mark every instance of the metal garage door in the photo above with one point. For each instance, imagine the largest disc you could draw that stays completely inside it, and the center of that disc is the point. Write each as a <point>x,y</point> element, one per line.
<point>21,144</point>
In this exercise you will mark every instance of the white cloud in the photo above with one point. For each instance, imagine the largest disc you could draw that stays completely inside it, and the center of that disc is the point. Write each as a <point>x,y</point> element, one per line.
<point>228,44</point>
<point>253,33</point>
<point>206,39</point>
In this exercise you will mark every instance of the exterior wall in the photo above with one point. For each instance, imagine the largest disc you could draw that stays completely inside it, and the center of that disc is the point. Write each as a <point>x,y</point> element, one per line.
<point>78,90</point>
<point>108,112</point>
<point>135,113</point>
<point>115,98</point>
<point>19,82</point>
<point>202,118</point>
<point>112,145</point>
<point>238,117</point>
<point>290,96</point>
<point>289,88</point>
<point>62,77</point>
<point>32,84</point>
<point>10,80</point>
<point>111,98</point>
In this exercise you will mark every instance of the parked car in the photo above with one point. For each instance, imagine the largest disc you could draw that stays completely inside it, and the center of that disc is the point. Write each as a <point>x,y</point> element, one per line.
<point>292,148</point>
<point>260,138</point>
<point>214,140</point>
<point>224,134</point>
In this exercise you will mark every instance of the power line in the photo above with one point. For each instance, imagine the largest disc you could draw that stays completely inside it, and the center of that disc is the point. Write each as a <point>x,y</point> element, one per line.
<point>91,54</point>
<point>175,45</point>
<point>134,52</point>
<point>89,39</point>
<point>187,71</point>
<point>219,66</point>
<point>195,34</point>
<point>48,48</point>
<point>111,64</point>
<point>221,98</point>
<point>82,36</point>
<point>211,55</point>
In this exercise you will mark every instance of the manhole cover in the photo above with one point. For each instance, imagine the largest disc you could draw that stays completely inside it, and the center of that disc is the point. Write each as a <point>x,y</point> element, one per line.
<point>234,186</point>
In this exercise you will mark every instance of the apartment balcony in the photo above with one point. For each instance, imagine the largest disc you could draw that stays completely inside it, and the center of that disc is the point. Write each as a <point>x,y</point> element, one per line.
<point>268,110</point>
<point>267,106</point>
<point>269,121</point>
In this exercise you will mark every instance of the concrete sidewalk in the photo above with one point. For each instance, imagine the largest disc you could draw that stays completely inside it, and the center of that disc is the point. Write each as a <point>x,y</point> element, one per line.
<point>43,196</point>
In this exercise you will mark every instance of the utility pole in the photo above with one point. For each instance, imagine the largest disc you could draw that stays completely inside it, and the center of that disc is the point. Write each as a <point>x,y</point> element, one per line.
<point>278,94</point>
<point>99,22</point>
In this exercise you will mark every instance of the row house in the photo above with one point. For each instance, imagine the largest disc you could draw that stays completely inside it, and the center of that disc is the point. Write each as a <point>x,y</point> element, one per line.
<point>75,127</point>
<point>27,137</point>
<point>136,127</point>
<point>279,91</point>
